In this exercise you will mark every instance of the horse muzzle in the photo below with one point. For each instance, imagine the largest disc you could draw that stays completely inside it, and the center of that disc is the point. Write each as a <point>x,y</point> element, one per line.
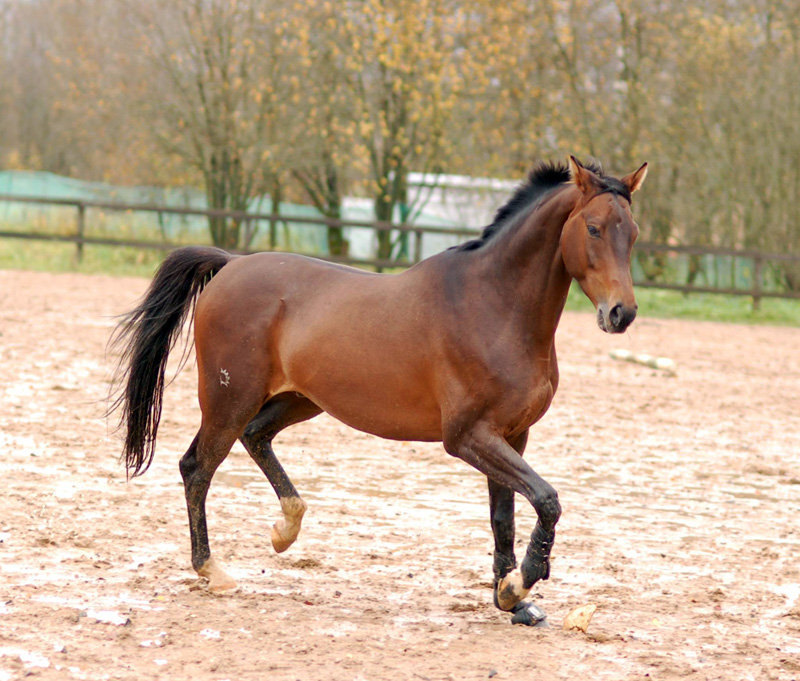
<point>617,319</point>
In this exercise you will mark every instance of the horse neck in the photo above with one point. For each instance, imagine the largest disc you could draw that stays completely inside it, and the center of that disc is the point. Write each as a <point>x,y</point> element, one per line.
<point>525,261</point>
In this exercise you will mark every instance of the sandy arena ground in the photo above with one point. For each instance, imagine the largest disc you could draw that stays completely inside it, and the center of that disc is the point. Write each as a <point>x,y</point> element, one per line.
<point>681,500</point>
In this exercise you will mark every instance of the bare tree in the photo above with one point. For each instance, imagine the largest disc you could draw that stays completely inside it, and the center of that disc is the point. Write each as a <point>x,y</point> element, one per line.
<point>216,98</point>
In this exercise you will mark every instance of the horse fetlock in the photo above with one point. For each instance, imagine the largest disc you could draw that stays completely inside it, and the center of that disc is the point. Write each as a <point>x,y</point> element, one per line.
<point>534,570</point>
<point>503,564</point>
<point>285,531</point>
<point>536,564</point>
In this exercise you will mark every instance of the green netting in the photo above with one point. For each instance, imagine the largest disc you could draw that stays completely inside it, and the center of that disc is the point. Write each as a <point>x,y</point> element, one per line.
<point>168,227</point>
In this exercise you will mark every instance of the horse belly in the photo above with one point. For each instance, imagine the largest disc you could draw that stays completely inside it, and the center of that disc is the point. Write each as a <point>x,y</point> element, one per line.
<point>374,403</point>
<point>395,422</point>
<point>377,385</point>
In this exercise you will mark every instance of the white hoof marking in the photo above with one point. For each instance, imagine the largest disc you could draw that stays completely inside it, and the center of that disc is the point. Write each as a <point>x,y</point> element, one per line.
<point>285,531</point>
<point>510,590</point>
<point>218,579</point>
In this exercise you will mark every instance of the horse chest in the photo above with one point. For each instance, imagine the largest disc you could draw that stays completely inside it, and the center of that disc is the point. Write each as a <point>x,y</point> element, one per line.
<point>525,403</point>
<point>540,395</point>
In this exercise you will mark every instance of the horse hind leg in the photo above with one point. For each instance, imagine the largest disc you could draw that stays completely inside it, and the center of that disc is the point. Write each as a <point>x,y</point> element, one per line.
<point>198,465</point>
<point>278,413</point>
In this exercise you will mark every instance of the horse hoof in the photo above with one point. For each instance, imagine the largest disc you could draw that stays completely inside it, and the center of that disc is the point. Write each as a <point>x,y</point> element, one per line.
<point>529,614</point>
<point>279,542</point>
<point>509,592</point>
<point>218,579</point>
<point>285,531</point>
<point>219,585</point>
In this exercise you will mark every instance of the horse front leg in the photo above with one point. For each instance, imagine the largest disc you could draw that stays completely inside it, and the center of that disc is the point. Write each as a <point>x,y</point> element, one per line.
<point>484,449</point>
<point>501,511</point>
<point>501,514</point>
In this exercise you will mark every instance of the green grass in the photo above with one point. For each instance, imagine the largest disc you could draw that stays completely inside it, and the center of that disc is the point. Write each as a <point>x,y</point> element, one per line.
<point>120,261</point>
<point>46,256</point>
<point>703,307</point>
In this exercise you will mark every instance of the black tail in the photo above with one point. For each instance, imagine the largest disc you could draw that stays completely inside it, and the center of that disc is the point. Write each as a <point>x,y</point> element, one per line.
<point>146,335</point>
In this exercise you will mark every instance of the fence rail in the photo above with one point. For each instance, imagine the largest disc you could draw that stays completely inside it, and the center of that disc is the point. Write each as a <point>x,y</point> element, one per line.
<point>79,237</point>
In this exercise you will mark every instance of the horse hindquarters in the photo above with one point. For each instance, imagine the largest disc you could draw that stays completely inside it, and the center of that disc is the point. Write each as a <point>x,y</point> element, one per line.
<point>236,325</point>
<point>232,374</point>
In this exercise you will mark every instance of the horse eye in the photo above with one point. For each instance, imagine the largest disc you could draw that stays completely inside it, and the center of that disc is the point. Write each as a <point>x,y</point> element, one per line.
<point>593,231</point>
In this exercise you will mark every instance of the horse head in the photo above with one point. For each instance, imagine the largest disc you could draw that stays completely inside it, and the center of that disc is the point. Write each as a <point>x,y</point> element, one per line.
<point>597,240</point>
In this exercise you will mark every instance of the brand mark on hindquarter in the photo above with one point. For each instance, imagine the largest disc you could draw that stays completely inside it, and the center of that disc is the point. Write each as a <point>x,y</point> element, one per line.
<point>224,378</point>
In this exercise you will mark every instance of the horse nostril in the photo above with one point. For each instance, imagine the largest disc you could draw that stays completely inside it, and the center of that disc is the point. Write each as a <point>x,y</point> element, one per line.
<point>616,316</point>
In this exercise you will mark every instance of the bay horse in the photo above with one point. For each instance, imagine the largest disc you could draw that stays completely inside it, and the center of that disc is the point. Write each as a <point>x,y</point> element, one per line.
<point>458,349</point>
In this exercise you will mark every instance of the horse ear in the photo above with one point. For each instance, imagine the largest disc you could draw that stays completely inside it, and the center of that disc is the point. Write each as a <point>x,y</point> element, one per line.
<point>582,176</point>
<point>635,179</point>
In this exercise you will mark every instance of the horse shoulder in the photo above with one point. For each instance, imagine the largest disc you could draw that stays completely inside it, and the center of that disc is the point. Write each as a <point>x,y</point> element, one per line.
<point>510,395</point>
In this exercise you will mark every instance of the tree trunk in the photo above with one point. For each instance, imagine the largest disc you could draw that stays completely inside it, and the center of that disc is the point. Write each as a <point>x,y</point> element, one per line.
<point>224,191</point>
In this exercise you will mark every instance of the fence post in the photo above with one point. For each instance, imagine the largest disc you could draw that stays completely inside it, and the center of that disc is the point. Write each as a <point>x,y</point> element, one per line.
<point>757,263</point>
<point>81,228</point>
<point>161,228</point>
<point>273,231</point>
<point>417,245</point>
<point>249,233</point>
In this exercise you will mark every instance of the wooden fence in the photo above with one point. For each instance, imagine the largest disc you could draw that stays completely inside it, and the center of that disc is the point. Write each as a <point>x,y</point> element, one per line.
<point>79,237</point>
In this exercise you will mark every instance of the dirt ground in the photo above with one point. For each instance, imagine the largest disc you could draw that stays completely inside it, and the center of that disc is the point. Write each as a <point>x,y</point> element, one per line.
<point>681,499</point>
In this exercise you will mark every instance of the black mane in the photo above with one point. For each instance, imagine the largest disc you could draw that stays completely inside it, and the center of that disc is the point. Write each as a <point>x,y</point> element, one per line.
<point>544,177</point>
